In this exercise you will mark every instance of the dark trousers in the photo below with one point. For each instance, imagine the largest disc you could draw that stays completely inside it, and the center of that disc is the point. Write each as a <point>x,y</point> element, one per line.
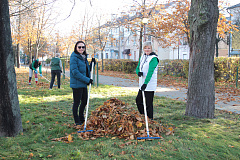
<point>54,73</point>
<point>79,94</point>
<point>149,102</point>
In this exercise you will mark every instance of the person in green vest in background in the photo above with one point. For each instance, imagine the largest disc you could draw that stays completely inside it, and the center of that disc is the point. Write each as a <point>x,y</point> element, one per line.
<point>56,69</point>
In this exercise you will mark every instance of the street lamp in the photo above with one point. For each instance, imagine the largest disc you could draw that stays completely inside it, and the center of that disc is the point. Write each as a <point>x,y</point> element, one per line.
<point>145,21</point>
<point>230,34</point>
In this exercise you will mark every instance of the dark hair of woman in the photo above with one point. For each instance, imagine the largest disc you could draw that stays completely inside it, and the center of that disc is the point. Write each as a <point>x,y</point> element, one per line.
<point>75,48</point>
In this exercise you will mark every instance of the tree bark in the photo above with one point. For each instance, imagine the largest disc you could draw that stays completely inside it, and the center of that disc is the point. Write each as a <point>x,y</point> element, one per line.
<point>140,40</point>
<point>30,51</point>
<point>203,17</point>
<point>18,56</point>
<point>10,118</point>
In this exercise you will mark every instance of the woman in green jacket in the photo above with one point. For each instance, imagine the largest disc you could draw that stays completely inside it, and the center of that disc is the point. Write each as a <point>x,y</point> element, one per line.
<point>147,70</point>
<point>33,67</point>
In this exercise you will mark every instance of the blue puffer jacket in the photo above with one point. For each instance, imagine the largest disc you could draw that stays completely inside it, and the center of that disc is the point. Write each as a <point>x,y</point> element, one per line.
<point>78,71</point>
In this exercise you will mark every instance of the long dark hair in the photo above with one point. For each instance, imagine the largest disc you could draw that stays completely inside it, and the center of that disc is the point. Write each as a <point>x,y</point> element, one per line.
<point>75,48</point>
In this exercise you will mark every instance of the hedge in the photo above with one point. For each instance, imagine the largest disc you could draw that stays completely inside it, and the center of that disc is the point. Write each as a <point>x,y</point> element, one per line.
<point>225,68</point>
<point>124,65</point>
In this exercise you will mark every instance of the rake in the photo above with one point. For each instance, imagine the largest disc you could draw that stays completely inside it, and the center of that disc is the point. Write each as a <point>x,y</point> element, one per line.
<point>48,80</point>
<point>45,78</point>
<point>66,75</point>
<point>146,119</point>
<point>85,122</point>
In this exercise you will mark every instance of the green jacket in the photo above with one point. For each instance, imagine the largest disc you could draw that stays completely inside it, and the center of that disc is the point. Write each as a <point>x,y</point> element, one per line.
<point>34,65</point>
<point>56,64</point>
<point>152,65</point>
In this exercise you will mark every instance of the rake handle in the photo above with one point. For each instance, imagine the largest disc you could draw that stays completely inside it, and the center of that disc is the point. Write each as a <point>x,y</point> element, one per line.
<point>89,90</point>
<point>145,109</point>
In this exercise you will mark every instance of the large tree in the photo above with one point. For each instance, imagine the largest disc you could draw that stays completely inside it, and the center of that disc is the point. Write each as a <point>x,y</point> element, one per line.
<point>203,18</point>
<point>10,118</point>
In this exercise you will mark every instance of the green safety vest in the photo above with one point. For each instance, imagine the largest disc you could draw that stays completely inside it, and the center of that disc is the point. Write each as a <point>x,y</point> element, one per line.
<point>55,64</point>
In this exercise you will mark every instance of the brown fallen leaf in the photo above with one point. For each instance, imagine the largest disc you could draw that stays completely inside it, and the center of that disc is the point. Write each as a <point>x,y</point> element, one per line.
<point>110,154</point>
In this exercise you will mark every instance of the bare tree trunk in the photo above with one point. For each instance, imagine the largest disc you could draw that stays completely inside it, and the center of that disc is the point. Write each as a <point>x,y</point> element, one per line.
<point>10,117</point>
<point>203,17</point>
<point>19,36</point>
<point>140,40</point>
<point>18,55</point>
<point>30,51</point>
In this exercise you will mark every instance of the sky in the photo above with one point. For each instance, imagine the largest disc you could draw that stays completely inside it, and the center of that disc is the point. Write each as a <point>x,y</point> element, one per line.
<point>233,2</point>
<point>99,7</point>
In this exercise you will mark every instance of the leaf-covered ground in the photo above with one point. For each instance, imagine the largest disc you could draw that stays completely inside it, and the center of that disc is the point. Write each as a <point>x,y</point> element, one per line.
<point>114,118</point>
<point>47,115</point>
<point>227,90</point>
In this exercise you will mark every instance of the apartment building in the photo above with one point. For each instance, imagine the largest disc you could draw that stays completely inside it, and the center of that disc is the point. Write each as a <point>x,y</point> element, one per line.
<point>125,42</point>
<point>234,37</point>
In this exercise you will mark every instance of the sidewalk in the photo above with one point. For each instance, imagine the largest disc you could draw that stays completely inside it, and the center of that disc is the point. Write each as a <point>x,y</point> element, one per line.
<point>232,104</point>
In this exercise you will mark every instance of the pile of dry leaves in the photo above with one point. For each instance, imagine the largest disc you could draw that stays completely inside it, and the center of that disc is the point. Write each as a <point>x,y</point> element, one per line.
<point>114,118</point>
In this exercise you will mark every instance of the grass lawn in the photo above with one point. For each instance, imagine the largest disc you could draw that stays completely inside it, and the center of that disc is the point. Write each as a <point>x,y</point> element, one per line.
<point>47,114</point>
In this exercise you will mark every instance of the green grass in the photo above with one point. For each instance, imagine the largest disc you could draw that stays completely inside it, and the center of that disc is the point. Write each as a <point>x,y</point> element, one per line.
<point>46,114</point>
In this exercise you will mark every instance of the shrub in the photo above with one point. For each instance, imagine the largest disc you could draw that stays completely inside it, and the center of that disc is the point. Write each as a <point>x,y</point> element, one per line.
<point>127,66</point>
<point>225,68</point>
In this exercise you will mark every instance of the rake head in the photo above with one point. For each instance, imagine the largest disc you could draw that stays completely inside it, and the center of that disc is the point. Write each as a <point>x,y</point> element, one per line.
<point>85,131</point>
<point>148,138</point>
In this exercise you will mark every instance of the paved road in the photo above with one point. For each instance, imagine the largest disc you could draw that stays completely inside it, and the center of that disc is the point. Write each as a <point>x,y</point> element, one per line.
<point>173,93</point>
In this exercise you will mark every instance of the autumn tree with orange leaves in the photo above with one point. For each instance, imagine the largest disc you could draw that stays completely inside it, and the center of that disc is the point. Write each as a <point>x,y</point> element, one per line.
<point>140,11</point>
<point>25,29</point>
<point>32,25</point>
<point>171,24</point>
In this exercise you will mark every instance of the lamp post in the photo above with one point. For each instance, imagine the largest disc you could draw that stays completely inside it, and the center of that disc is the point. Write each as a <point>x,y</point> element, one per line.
<point>230,34</point>
<point>145,21</point>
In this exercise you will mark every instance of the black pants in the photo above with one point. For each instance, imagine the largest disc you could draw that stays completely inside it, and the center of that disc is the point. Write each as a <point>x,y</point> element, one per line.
<point>79,94</point>
<point>54,73</point>
<point>149,102</point>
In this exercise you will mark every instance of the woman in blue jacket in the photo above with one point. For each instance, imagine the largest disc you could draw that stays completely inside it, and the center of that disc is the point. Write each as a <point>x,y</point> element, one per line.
<point>79,79</point>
